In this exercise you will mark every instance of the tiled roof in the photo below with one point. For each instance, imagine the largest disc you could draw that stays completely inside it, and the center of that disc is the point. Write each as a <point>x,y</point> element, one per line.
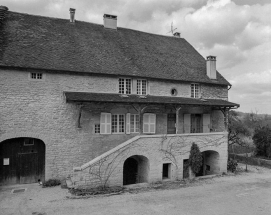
<point>117,98</point>
<point>30,41</point>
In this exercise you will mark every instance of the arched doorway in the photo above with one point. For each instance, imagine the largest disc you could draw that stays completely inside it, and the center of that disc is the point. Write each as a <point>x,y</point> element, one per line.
<point>22,161</point>
<point>211,163</point>
<point>135,170</point>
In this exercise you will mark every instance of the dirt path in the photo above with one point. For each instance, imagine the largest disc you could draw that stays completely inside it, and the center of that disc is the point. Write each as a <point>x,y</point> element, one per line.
<point>247,193</point>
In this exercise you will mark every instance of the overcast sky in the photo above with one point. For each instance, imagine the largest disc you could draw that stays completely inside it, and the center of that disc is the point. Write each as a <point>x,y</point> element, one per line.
<point>238,32</point>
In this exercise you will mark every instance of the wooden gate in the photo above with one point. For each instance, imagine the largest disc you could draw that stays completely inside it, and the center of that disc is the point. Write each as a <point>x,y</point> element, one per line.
<point>22,161</point>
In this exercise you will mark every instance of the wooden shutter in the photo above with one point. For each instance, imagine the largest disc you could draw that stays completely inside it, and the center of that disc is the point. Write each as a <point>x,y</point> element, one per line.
<point>105,123</point>
<point>146,127</point>
<point>187,123</point>
<point>152,122</point>
<point>206,123</point>
<point>128,118</point>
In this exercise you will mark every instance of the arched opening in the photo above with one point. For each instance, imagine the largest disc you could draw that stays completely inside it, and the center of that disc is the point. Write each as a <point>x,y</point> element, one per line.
<point>22,161</point>
<point>135,170</point>
<point>211,163</point>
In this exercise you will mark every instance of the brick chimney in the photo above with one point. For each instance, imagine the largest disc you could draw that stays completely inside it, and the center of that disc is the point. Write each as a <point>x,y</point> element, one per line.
<point>72,15</point>
<point>110,21</point>
<point>3,13</point>
<point>211,66</point>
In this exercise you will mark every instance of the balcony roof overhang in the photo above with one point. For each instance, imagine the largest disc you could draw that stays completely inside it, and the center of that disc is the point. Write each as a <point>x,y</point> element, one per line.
<point>85,97</point>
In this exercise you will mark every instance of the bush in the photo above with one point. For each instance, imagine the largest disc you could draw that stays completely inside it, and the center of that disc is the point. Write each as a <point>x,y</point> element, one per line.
<point>195,158</point>
<point>232,165</point>
<point>51,183</point>
<point>262,141</point>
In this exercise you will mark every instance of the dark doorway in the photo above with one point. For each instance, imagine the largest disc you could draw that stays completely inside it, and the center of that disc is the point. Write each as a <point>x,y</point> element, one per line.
<point>22,161</point>
<point>130,171</point>
<point>196,123</point>
<point>185,168</point>
<point>166,171</point>
<point>171,123</point>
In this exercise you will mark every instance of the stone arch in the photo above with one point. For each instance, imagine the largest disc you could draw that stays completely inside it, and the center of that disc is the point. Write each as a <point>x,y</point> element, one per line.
<point>23,159</point>
<point>211,162</point>
<point>136,170</point>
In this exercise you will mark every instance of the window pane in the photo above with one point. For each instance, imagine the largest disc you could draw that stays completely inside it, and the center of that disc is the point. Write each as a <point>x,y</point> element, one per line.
<point>192,90</point>
<point>137,123</point>
<point>121,85</point>
<point>144,87</point>
<point>114,123</point>
<point>138,87</point>
<point>128,86</point>
<point>121,123</point>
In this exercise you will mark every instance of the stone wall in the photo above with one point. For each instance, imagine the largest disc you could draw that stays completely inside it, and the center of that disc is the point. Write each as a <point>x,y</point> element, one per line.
<point>38,109</point>
<point>158,149</point>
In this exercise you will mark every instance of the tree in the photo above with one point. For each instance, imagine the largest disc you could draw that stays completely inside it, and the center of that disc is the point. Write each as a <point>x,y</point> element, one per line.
<point>195,158</point>
<point>237,129</point>
<point>262,141</point>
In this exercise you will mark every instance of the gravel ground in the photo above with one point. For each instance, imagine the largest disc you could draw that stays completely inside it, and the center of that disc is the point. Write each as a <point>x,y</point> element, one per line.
<point>244,193</point>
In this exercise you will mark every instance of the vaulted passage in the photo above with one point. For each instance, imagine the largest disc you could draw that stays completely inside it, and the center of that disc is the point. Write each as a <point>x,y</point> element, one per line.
<point>22,161</point>
<point>211,163</point>
<point>135,170</point>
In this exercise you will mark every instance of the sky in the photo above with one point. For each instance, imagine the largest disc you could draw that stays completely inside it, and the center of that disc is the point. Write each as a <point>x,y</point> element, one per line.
<point>237,32</point>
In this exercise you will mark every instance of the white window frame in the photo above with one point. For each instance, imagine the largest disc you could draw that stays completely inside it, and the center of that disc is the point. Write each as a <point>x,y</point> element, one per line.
<point>139,86</point>
<point>195,90</point>
<point>147,123</point>
<point>135,124</point>
<point>36,76</point>
<point>125,83</point>
<point>118,124</point>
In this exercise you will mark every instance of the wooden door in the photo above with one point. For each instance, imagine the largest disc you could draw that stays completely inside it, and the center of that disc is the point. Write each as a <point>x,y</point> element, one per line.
<point>28,167</point>
<point>22,160</point>
<point>171,123</point>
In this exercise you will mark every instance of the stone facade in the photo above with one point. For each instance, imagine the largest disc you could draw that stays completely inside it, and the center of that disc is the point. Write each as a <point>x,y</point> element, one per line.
<point>38,109</point>
<point>108,169</point>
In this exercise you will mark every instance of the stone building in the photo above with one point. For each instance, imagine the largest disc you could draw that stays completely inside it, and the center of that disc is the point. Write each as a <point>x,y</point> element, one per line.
<point>105,105</point>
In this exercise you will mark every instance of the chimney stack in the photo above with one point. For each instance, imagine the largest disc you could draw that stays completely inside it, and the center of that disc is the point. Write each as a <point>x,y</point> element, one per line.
<point>110,21</point>
<point>177,34</point>
<point>3,13</point>
<point>72,14</point>
<point>211,66</point>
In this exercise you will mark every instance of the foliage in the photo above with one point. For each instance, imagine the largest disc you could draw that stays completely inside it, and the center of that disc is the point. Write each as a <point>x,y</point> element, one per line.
<point>51,182</point>
<point>262,141</point>
<point>237,129</point>
<point>195,158</point>
<point>232,165</point>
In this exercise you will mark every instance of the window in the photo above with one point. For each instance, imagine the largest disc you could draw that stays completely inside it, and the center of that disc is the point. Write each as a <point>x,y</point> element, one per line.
<point>105,123</point>
<point>125,86</point>
<point>35,75</point>
<point>149,121</point>
<point>173,92</point>
<point>141,87</point>
<point>117,123</point>
<point>195,90</point>
<point>134,123</point>
<point>28,142</point>
<point>97,128</point>
<point>196,123</point>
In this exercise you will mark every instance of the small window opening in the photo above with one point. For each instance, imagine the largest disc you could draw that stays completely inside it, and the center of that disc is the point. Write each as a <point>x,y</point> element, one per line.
<point>173,92</point>
<point>97,128</point>
<point>208,168</point>
<point>35,75</point>
<point>166,170</point>
<point>28,142</point>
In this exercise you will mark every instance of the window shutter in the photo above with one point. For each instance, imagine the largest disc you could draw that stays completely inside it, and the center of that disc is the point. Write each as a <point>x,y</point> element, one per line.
<point>187,123</point>
<point>206,123</point>
<point>128,117</point>
<point>146,123</point>
<point>105,123</point>
<point>152,123</point>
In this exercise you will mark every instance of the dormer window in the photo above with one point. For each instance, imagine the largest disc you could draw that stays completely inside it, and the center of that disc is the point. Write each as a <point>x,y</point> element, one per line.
<point>141,87</point>
<point>195,91</point>
<point>124,86</point>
